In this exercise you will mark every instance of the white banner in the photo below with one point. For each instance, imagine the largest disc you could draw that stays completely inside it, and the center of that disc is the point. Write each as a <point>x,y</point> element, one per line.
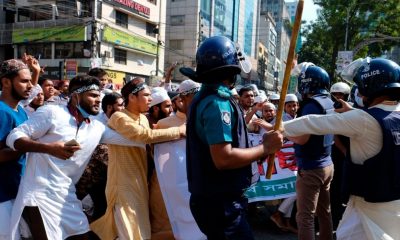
<point>283,181</point>
<point>170,162</point>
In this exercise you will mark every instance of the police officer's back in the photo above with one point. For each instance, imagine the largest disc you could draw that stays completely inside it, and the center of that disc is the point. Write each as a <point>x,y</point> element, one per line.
<point>218,157</point>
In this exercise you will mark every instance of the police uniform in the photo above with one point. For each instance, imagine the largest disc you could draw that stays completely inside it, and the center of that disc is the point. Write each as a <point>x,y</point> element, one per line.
<point>217,200</point>
<point>372,170</point>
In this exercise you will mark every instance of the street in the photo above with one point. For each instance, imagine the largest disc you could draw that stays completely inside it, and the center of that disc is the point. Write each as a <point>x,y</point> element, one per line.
<point>263,227</point>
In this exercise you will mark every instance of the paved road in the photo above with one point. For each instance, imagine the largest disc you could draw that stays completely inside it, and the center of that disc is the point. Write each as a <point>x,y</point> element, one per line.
<point>263,228</point>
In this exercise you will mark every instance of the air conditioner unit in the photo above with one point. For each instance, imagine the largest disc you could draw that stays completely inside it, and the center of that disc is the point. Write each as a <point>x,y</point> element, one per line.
<point>107,54</point>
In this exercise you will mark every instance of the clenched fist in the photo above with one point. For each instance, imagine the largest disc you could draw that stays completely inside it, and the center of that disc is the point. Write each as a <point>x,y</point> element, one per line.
<point>272,142</point>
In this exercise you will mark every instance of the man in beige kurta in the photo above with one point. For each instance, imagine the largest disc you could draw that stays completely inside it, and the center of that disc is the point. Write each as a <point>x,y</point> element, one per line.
<point>127,214</point>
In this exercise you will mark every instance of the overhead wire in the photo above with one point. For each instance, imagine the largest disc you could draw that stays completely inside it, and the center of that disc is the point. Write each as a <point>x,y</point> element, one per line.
<point>70,9</point>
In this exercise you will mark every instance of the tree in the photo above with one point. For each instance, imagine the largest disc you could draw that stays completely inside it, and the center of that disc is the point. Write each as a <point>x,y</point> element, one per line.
<point>363,19</point>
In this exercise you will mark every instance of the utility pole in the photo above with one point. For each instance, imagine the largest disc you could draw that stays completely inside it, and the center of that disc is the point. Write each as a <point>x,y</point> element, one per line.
<point>158,38</point>
<point>94,30</point>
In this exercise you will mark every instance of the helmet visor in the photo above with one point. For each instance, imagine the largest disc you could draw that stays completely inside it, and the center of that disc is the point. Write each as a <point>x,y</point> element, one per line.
<point>244,61</point>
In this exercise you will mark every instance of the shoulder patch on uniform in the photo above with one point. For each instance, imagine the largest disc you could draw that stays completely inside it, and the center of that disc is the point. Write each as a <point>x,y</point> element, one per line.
<point>226,117</point>
<point>223,94</point>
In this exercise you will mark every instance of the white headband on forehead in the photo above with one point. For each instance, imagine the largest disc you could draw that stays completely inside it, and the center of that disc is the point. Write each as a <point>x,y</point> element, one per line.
<point>87,88</point>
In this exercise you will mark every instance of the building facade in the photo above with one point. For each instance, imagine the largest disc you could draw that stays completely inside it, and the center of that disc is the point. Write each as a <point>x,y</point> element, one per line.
<point>280,13</point>
<point>189,22</point>
<point>70,37</point>
<point>268,40</point>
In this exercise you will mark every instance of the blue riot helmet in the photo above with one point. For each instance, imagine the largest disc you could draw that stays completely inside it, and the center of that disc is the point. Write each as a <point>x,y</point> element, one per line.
<point>217,57</point>
<point>377,77</point>
<point>313,80</point>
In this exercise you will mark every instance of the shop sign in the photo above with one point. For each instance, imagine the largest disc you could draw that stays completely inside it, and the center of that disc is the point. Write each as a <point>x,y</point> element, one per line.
<point>53,34</point>
<point>129,41</point>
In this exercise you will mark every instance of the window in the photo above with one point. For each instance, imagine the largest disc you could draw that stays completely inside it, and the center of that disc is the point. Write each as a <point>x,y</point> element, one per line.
<point>121,19</point>
<point>35,13</point>
<point>120,56</point>
<point>150,29</point>
<point>153,1</point>
<point>67,9</point>
<point>176,44</point>
<point>69,50</point>
<point>178,20</point>
<point>42,50</point>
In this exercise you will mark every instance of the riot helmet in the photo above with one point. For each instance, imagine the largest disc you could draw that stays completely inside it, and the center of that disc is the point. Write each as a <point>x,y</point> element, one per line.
<point>217,57</point>
<point>313,80</point>
<point>377,77</point>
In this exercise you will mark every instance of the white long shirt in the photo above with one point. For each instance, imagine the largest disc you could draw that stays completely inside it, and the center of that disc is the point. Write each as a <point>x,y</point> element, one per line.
<point>49,182</point>
<point>361,220</point>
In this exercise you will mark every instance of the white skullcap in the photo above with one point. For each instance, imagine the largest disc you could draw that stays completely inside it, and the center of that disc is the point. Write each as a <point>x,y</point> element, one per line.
<point>274,96</point>
<point>158,95</point>
<point>188,86</point>
<point>291,98</point>
<point>260,98</point>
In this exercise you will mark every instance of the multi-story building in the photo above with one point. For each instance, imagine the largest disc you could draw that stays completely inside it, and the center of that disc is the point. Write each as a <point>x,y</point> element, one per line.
<point>191,21</point>
<point>268,39</point>
<point>70,37</point>
<point>292,7</point>
<point>279,11</point>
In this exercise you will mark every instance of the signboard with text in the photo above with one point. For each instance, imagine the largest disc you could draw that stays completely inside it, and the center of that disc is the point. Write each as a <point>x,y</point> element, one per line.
<point>131,6</point>
<point>71,69</point>
<point>130,41</point>
<point>53,34</point>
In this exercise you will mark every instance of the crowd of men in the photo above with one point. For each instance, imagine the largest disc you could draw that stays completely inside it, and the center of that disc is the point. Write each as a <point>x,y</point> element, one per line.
<point>77,161</point>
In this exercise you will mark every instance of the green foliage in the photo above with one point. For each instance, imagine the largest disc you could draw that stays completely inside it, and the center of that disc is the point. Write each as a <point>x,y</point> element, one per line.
<point>365,18</point>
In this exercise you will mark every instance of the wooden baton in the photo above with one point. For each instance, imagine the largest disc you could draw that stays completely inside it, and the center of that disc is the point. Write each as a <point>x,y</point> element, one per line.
<point>285,83</point>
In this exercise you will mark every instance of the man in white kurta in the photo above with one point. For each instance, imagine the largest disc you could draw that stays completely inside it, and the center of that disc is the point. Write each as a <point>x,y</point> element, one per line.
<point>49,181</point>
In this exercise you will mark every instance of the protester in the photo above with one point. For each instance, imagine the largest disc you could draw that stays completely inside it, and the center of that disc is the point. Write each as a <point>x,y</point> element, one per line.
<point>127,214</point>
<point>160,108</point>
<point>286,159</point>
<point>184,226</point>
<point>187,90</point>
<point>63,89</point>
<point>291,107</point>
<point>372,171</point>
<point>60,141</point>
<point>36,102</point>
<point>47,86</point>
<point>274,99</point>
<point>268,112</point>
<point>16,85</point>
<point>91,186</point>
<point>250,108</point>
<point>218,157</point>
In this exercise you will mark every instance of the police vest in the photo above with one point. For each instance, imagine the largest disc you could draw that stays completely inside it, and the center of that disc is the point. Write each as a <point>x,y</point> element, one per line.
<point>378,179</point>
<point>203,177</point>
<point>317,147</point>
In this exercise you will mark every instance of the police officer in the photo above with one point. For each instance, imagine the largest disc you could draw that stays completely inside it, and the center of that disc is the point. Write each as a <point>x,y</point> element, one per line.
<point>373,168</point>
<point>339,90</point>
<point>313,154</point>
<point>218,158</point>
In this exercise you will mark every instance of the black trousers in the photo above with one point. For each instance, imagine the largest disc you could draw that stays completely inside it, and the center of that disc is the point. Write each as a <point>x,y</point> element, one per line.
<point>221,218</point>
